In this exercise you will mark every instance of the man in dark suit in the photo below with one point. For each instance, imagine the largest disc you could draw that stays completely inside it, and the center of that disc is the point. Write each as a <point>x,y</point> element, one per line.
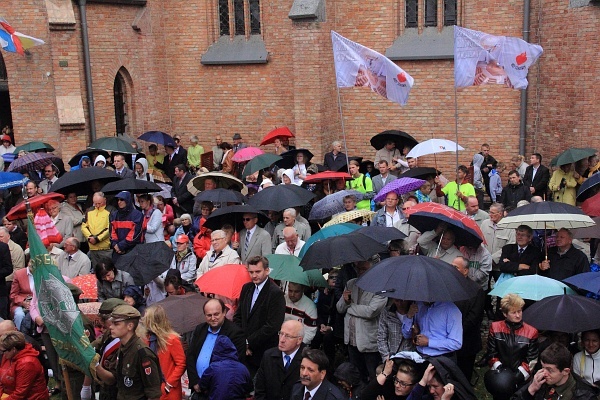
<point>237,143</point>
<point>536,176</point>
<point>181,196</point>
<point>313,385</point>
<point>172,159</point>
<point>522,258</point>
<point>121,168</point>
<point>6,268</point>
<point>280,366</point>
<point>260,312</point>
<point>204,337</point>
<point>254,240</point>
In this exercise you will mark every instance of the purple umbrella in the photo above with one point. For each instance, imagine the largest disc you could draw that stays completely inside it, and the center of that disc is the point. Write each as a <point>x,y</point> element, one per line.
<point>399,186</point>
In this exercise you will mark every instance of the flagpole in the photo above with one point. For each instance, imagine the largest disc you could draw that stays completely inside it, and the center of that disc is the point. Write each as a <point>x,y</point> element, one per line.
<point>339,98</point>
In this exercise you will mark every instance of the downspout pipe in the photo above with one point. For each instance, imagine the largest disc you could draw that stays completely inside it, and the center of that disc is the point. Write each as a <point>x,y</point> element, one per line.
<point>523,108</point>
<point>88,69</point>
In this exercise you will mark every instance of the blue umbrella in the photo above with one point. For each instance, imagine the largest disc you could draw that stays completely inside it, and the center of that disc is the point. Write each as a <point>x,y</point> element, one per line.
<point>333,230</point>
<point>158,137</point>
<point>589,188</point>
<point>11,179</point>
<point>332,204</point>
<point>532,287</point>
<point>589,281</point>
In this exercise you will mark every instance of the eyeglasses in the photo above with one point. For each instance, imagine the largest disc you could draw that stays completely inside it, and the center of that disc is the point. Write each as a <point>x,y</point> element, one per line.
<point>287,336</point>
<point>120,199</point>
<point>216,239</point>
<point>178,243</point>
<point>247,219</point>
<point>403,384</point>
<point>48,170</point>
<point>405,208</point>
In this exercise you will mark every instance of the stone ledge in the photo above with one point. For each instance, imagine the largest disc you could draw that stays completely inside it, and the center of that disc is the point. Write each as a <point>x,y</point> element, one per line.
<point>236,51</point>
<point>430,45</point>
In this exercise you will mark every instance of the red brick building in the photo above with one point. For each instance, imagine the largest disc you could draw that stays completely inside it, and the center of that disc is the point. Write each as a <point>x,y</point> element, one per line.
<point>247,66</point>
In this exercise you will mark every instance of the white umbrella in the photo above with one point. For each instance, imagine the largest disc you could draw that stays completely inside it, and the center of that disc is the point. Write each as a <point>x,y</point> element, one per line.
<point>433,146</point>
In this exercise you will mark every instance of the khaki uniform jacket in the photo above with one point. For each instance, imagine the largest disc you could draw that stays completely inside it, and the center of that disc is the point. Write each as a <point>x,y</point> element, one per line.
<point>138,372</point>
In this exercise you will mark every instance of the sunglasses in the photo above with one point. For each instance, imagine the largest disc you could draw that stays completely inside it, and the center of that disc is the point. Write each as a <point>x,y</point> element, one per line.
<point>247,219</point>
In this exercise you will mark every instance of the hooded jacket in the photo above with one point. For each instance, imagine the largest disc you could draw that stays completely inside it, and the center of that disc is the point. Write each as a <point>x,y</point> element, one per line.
<point>145,175</point>
<point>100,157</point>
<point>78,166</point>
<point>22,377</point>
<point>126,225</point>
<point>477,176</point>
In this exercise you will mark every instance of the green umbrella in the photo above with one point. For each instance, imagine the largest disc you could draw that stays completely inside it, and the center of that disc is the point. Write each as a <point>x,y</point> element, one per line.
<point>33,146</point>
<point>260,162</point>
<point>287,267</point>
<point>531,287</point>
<point>113,144</point>
<point>572,155</point>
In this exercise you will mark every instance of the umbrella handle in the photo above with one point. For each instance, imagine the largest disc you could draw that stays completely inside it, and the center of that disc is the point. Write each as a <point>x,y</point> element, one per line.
<point>437,250</point>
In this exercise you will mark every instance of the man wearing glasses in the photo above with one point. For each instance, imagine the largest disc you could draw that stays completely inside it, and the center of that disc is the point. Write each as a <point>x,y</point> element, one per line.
<point>221,254</point>
<point>50,177</point>
<point>254,240</point>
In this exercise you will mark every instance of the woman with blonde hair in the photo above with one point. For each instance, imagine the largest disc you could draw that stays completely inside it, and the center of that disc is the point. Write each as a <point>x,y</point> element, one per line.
<point>166,343</point>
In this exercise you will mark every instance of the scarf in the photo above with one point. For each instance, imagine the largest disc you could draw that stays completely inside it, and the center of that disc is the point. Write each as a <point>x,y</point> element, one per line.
<point>180,255</point>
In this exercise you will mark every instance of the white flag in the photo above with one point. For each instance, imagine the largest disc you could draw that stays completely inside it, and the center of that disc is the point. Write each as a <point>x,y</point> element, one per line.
<point>481,58</point>
<point>357,65</point>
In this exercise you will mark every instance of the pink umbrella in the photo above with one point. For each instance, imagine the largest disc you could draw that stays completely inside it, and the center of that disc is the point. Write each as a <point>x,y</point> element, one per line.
<point>247,154</point>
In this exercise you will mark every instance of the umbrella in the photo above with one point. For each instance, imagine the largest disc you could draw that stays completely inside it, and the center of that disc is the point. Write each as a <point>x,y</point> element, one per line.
<point>280,197</point>
<point>157,137</point>
<point>159,176</point>
<point>32,162</point>
<point>400,138</point>
<point>564,313</point>
<point>146,261</point>
<point>88,285</point>
<point>12,179</point>
<point>589,188</point>
<point>348,216</point>
<point>113,143</point>
<point>233,215</point>
<point>260,162</point>
<point>427,216</point>
<point>330,231</point>
<point>220,196</point>
<point>591,206</point>
<point>591,232</point>
<point>33,146</point>
<point>339,250</point>
<point>246,154</point>
<point>420,173</point>
<point>399,186</point>
<point>546,215</point>
<point>226,280</point>
<point>222,180</point>
<point>589,281</point>
<point>573,155</point>
<point>86,152</point>
<point>165,190</point>
<point>433,146</point>
<point>81,180</point>
<point>20,212</point>
<point>417,278</point>
<point>286,267</point>
<point>532,287</point>
<point>332,204</point>
<point>289,158</point>
<point>283,132</point>
<point>326,176</point>
<point>382,234</point>
<point>131,185</point>
<point>91,310</point>
<point>185,311</point>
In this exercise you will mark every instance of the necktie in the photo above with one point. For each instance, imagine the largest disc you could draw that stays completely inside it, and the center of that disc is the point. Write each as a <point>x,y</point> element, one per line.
<point>119,173</point>
<point>307,396</point>
<point>49,185</point>
<point>521,250</point>
<point>70,258</point>
<point>247,242</point>
<point>288,361</point>
<point>254,297</point>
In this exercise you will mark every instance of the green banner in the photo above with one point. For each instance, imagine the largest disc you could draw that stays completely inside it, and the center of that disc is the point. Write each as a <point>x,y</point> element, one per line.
<point>58,308</point>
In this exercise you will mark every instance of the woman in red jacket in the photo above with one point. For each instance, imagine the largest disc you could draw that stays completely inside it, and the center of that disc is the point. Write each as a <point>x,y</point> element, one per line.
<point>21,374</point>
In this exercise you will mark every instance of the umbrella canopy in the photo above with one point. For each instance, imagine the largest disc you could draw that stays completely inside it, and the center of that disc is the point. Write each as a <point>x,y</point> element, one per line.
<point>531,287</point>
<point>259,162</point>
<point>427,216</point>
<point>589,281</point>
<point>283,132</point>
<point>434,146</point>
<point>332,204</point>
<point>591,232</point>
<point>330,231</point>
<point>226,280</point>
<point>20,212</point>
<point>220,196</point>
<point>417,278</point>
<point>88,285</point>
<point>223,180</point>
<point>86,152</point>
<point>420,173</point>
<point>32,162</point>
<point>146,261</point>
<point>157,137</point>
<point>286,267</point>
<point>546,215</point>
<point>400,138</point>
<point>113,144</point>
<point>382,234</point>
<point>564,313</point>
<point>288,159</point>
<point>233,215</point>
<point>326,176</point>
<point>399,186</point>
<point>591,206</point>
<point>81,180</point>
<point>280,197</point>
<point>573,155</point>
<point>246,154</point>
<point>348,216</point>
<point>185,312</point>
<point>589,188</point>
<point>33,146</point>
<point>159,176</point>
<point>328,253</point>
<point>131,185</point>
<point>12,179</point>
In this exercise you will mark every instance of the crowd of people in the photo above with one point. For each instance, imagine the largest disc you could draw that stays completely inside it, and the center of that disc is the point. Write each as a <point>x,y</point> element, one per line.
<point>285,340</point>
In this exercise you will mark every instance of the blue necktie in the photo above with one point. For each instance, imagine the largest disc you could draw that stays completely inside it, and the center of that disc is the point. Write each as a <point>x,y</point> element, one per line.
<point>288,361</point>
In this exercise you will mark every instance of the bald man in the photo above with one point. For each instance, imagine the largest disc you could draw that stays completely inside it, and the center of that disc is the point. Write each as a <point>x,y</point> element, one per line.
<point>292,244</point>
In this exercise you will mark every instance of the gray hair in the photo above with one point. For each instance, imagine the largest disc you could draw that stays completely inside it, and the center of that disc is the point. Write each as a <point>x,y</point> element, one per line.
<point>219,232</point>
<point>290,211</point>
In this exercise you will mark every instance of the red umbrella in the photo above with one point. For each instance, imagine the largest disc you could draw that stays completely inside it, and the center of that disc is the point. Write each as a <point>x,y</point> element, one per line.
<point>87,284</point>
<point>592,206</point>
<point>283,132</point>
<point>20,212</point>
<point>327,175</point>
<point>247,154</point>
<point>225,281</point>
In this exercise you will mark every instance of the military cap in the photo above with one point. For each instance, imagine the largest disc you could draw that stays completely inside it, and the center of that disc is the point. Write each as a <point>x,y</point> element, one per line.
<point>124,313</point>
<point>109,305</point>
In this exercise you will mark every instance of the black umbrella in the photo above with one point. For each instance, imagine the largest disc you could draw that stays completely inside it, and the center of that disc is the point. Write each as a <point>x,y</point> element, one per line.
<point>382,234</point>
<point>564,313</point>
<point>339,250</point>
<point>185,312</point>
<point>400,138</point>
<point>289,158</point>
<point>146,261</point>
<point>280,197</point>
<point>589,188</point>
<point>86,152</point>
<point>131,185</point>
<point>420,173</point>
<point>417,278</point>
<point>233,215</point>
<point>220,196</point>
<point>81,180</point>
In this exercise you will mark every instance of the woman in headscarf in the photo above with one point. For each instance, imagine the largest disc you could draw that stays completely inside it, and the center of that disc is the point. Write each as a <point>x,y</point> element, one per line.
<point>100,161</point>
<point>141,170</point>
<point>288,177</point>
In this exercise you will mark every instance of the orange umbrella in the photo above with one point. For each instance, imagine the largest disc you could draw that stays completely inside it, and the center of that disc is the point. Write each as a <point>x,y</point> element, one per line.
<point>20,212</point>
<point>225,281</point>
<point>282,132</point>
<point>87,284</point>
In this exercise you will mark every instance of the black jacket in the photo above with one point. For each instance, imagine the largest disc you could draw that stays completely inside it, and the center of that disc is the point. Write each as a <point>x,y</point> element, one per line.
<point>532,256</point>
<point>514,345</point>
<point>327,391</point>
<point>6,268</point>
<point>180,190</point>
<point>512,194</point>
<point>582,391</point>
<point>472,316</point>
<point>540,182</point>
<point>573,262</point>
<point>272,381</point>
